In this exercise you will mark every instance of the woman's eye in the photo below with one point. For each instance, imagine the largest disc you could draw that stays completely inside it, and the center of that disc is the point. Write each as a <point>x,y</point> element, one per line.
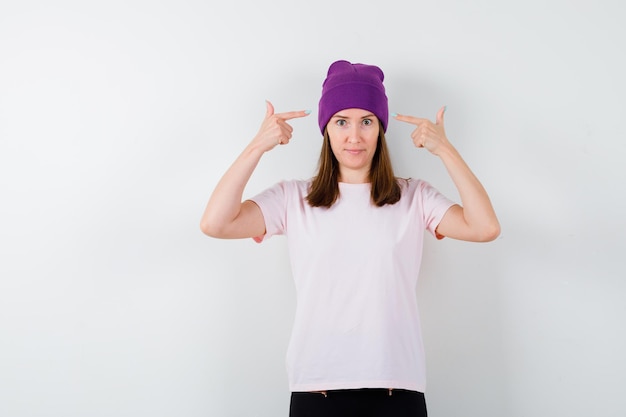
<point>367,122</point>
<point>341,122</point>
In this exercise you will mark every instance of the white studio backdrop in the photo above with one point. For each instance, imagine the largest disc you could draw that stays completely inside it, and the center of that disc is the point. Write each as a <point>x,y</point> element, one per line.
<point>117,119</point>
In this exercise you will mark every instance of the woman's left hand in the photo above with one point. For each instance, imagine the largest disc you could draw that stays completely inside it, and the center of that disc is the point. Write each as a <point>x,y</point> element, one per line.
<point>427,134</point>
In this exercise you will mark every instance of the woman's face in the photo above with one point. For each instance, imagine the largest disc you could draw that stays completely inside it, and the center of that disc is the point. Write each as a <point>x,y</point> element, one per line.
<point>353,137</point>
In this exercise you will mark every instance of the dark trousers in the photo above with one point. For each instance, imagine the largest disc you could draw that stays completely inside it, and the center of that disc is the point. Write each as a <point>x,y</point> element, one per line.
<point>358,403</point>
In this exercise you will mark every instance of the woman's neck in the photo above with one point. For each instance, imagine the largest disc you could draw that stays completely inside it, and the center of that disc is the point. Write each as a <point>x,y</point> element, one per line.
<point>354,176</point>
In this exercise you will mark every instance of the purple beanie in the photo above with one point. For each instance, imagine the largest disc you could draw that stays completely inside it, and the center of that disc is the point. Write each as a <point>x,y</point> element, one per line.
<point>350,86</point>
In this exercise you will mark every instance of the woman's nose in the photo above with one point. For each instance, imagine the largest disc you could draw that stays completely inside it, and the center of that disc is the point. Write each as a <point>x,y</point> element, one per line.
<point>353,134</point>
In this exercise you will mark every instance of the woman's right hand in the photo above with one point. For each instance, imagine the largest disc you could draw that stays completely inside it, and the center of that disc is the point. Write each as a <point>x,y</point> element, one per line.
<point>275,130</point>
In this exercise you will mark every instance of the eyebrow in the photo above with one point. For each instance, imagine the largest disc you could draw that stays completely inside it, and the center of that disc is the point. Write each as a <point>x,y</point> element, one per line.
<point>340,116</point>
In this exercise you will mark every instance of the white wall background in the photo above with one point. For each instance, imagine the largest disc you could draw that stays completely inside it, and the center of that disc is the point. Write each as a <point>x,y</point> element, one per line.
<point>117,119</point>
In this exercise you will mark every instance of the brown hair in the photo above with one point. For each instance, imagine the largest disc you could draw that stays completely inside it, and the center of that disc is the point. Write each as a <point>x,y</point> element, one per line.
<point>324,189</point>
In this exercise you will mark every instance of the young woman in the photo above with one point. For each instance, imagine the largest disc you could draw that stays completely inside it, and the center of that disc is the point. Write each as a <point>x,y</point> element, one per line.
<point>355,236</point>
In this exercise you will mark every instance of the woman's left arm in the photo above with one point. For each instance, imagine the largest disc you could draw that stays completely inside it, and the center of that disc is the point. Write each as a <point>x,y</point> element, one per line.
<point>475,219</point>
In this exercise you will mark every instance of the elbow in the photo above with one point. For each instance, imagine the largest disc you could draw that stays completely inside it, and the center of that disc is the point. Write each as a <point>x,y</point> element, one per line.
<point>210,229</point>
<point>491,232</point>
<point>206,228</point>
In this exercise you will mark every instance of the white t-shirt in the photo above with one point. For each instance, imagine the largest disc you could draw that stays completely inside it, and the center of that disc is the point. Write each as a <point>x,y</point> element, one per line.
<point>355,267</point>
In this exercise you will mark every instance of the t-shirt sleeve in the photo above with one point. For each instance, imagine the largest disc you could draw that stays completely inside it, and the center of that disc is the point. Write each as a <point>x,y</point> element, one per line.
<point>435,206</point>
<point>272,203</point>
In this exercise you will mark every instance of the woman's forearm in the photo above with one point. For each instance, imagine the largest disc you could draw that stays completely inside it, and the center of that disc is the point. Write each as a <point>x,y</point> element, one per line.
<point>478,212</point>
<point>225,203</point>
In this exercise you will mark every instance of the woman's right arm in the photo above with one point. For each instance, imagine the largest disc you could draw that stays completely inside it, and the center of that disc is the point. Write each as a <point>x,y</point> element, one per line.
<point>226,216</point>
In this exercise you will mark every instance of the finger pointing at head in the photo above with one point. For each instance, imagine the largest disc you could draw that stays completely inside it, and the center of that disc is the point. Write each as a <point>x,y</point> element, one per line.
<point>286,115</point>
<point>293,114</point>
<point>409,119</point>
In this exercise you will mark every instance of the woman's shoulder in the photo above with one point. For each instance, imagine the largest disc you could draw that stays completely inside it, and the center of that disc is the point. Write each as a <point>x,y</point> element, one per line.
<point>410,182</point>
<point>299,183</point>
<point>284,190</point>
<point>413,185</point>
<point>298,186</point>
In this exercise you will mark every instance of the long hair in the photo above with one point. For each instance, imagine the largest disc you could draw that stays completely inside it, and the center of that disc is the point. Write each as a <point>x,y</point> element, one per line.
<point>324,189</point>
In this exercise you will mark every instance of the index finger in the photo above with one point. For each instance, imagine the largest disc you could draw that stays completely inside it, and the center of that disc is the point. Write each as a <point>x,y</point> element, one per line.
<point>293,114</point>
<point>410,119</point>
